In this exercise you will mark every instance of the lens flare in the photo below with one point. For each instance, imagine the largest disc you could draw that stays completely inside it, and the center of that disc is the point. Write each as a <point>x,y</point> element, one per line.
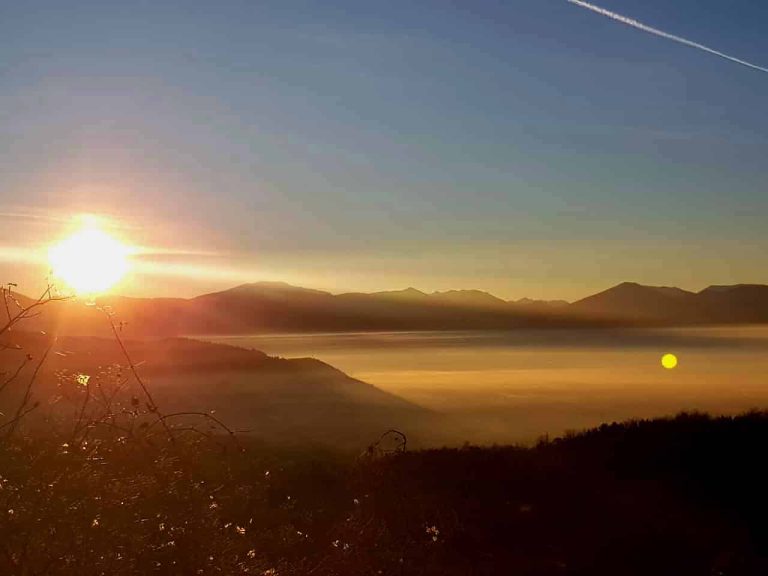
<point>89,262</point>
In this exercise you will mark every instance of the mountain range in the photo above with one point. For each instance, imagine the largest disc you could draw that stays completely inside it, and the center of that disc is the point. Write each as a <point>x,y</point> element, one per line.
<point>278,307</point>
<point>634,303</point>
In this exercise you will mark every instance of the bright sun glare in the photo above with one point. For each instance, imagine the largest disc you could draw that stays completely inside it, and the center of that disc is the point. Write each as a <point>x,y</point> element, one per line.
<point>90,261</point>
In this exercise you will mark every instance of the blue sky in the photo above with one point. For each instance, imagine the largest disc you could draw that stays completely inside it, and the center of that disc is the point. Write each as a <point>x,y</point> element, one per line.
<point>529,147</point>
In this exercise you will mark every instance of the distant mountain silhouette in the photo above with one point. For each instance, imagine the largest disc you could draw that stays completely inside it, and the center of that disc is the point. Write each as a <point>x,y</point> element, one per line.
<point>467,298</point>
<point>279,307</point>
<point>407,294</point>
<point>450,297</point>
<point>539,303</point>
<point>635,303</point>
<point>742,303</point>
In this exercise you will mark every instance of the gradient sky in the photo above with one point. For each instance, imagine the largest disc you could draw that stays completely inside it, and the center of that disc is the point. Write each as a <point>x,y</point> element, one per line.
<point>528,148</point>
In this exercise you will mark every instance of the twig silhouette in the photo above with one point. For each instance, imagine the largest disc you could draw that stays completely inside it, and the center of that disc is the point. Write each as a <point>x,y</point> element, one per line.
<point>20,412</point>
<point>151,405</point>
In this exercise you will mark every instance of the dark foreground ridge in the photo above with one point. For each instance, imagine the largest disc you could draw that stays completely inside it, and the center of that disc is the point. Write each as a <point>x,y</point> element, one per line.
<point>671,496</point>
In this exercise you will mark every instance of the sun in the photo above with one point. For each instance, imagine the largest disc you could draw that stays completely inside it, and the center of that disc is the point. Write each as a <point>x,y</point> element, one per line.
<point>90,261</point>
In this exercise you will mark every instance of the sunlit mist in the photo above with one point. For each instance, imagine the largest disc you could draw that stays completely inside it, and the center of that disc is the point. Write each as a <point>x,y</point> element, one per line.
<point>89,261</point>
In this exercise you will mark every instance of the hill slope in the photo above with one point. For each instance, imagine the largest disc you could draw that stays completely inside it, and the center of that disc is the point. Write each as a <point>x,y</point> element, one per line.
<point>673,497</point>
<point>287,401</point>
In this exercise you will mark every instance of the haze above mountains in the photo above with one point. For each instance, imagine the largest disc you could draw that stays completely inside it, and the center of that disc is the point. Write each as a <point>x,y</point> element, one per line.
<point>279,307</point>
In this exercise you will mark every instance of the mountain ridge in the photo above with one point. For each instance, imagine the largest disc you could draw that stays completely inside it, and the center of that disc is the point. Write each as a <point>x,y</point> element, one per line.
<point>280,307</point>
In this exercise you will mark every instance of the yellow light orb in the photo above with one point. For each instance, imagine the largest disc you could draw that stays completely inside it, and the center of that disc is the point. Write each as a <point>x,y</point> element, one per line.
<point>669,361</point>
<point>89,262</point>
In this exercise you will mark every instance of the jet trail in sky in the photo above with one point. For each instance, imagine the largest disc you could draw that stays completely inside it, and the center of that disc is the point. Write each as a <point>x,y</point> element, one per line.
<point>661,33</point>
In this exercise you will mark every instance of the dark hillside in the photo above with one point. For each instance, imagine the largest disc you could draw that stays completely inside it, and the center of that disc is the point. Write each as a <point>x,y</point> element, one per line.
<point>682,496</point>
<point>292,401</point>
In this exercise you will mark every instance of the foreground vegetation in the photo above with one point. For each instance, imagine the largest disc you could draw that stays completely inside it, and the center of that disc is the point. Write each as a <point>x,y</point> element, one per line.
<point>678,496</point>
<point>96,479</point>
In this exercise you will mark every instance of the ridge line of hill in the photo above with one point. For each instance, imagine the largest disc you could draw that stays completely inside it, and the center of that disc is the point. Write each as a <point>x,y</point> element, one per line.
<point>278,307</point>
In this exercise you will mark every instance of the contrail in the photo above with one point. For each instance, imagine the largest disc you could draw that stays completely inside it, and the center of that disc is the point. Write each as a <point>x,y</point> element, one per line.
<point>667,35</point>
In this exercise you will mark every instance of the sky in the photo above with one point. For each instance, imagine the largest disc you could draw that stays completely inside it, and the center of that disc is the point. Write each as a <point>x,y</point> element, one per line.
<point>527,148</point>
